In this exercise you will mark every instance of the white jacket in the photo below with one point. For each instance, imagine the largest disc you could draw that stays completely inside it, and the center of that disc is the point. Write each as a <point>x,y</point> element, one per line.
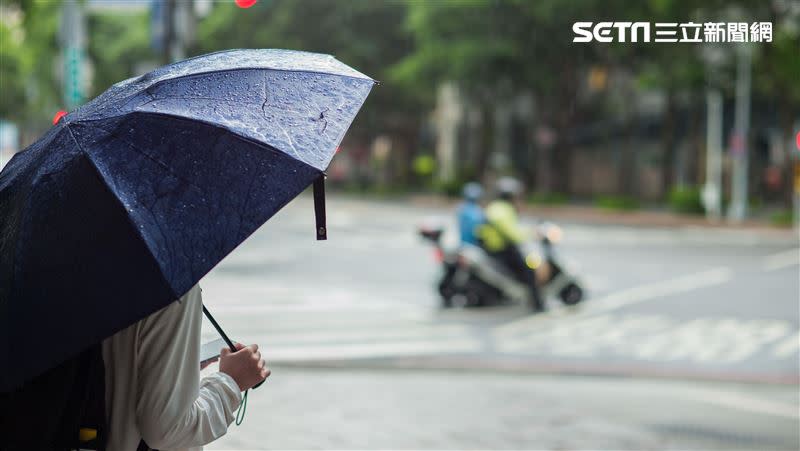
<point>153,386</point>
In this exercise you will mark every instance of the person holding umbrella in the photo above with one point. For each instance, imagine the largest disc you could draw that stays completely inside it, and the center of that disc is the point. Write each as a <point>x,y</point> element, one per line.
<point>109,221</point>
<point>154,396</point>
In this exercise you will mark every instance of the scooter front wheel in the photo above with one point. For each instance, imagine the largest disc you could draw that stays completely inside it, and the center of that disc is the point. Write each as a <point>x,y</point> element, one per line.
<point>571,294</point>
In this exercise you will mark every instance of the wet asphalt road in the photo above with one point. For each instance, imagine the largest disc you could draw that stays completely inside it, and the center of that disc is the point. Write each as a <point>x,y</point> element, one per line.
<point>682,302</point>
<point>689,340</point>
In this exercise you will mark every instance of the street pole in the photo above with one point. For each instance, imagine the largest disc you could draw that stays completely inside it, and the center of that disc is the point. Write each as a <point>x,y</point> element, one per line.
<point>178,23</point>
<point>712,191</point>
<point>73,45</point>
<point>168,31</point>
<point>739,151</point>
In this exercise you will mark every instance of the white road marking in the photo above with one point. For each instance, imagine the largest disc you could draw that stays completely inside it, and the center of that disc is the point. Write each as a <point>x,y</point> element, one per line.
<point>367,350</point>
<point>366,335</point>
<point>781,260</point>
<point>744,402</point>
<point>708,340</point>
<point>789,347</point>
<point>655,338</point>
<point>641,293</point>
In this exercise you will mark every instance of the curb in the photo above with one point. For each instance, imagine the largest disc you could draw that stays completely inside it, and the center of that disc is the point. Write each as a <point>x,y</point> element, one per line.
<point>550,368</point>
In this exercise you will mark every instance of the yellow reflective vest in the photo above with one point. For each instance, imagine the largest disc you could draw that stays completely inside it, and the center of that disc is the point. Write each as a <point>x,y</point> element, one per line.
<point>502,226</point>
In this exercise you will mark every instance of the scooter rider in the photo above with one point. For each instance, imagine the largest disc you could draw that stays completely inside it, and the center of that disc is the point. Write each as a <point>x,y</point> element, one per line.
<point>470,214</point>
<point>502,235</point>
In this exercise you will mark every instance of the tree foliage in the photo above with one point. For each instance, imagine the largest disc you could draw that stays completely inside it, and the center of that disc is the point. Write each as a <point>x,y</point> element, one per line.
<point>28,49</point>
<point>118,42</point>
<point>493,49</point>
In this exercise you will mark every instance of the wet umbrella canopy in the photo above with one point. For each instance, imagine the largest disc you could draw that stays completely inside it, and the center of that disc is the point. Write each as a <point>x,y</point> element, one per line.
<point>128,201</point>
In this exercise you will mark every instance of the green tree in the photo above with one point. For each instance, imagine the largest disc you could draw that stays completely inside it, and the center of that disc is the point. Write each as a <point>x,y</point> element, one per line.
<point>117,43</point>
<point>28,48</point>
<point>495,49</point>
<point>467,42</point>
<point>15,66</point>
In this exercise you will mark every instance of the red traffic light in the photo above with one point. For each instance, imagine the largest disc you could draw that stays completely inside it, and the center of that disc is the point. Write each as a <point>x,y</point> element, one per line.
<point>58,116</point>
<point>797,140</point>
<point>245,3</point>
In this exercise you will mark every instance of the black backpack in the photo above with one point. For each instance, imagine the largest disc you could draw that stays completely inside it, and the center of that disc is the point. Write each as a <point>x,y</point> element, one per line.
<point>62,409</point>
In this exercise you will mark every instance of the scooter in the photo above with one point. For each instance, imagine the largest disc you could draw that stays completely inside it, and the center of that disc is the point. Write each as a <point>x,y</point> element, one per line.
<point>472,278</point>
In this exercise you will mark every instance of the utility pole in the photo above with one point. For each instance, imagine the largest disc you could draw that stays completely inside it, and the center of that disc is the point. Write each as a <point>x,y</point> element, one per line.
<point>712,191</point>
<point>73,53</point>
<point>177,28</point>
<point>739,152</point>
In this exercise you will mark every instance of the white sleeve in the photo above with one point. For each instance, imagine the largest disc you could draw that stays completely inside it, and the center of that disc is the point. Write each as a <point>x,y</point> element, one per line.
<point>174,409</point>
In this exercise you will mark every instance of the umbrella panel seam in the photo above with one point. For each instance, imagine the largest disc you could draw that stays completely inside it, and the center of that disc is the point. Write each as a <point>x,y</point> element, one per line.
<point>118,202</point>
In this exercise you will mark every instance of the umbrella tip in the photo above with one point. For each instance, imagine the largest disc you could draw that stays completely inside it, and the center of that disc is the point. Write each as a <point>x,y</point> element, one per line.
<point>58,116</point>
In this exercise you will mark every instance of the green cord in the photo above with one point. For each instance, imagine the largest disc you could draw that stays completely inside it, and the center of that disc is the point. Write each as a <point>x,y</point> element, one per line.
<point>242,409</point>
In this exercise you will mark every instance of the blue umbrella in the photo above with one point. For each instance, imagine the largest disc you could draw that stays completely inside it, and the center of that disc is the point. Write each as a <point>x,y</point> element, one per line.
<point>128,201</point>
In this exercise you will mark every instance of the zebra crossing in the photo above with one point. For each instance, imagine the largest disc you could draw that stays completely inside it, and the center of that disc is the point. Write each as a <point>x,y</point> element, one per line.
<point>658,338</point>
<point>336,333</point>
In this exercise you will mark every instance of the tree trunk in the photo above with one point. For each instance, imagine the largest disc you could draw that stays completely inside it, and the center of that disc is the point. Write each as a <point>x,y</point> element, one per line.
<point>485,149</point>
<point>627,171</point>
<point>696,170</point>
<point>668,144</point>
<point>565,114</point>
<point>561,157</point>
<point>785,120</point>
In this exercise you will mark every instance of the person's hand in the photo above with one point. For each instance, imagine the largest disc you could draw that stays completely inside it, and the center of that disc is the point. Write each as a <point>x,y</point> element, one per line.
<point>245,365</point>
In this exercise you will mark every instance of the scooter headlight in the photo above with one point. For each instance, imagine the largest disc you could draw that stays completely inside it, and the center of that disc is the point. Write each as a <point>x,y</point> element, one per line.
<point>554,234</point>
<point>533,260</point>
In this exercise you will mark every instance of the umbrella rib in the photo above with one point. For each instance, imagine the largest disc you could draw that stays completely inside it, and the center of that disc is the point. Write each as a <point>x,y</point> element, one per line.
<point>266,96</point>
<point>148,156</point>
<point>161,164</point>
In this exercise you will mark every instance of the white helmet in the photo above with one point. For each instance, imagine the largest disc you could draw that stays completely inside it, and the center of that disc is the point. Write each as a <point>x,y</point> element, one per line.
<point>508,187</point>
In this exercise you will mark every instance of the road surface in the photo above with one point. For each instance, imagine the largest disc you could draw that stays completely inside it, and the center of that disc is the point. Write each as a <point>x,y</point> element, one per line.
<point>689,339</point>
<point>696,302</point>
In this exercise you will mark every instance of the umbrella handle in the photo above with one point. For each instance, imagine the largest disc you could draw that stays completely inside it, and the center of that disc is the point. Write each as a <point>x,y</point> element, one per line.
<point>224,336</point>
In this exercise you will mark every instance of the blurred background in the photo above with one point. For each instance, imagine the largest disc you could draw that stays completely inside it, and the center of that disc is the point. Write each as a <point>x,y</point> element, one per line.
<point>673,170</point>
